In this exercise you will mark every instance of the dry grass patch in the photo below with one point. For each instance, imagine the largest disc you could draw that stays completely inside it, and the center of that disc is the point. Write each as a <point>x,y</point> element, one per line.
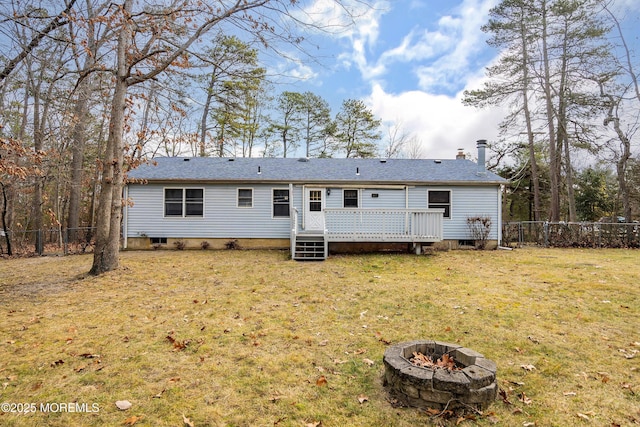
<point>250,338</point>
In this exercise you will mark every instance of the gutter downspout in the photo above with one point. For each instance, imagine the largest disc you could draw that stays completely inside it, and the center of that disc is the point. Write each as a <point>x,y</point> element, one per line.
<point>406,206</point>
<point>292,204</point>
<point>125,217</point>
<point>303,205</point>
<point>499,215</point>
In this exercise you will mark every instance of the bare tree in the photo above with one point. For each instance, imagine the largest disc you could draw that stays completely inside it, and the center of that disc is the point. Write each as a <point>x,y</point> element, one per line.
<point>414,148</point>
<point>397,138</point>
<point>152,40</point>
<point>55,22</point>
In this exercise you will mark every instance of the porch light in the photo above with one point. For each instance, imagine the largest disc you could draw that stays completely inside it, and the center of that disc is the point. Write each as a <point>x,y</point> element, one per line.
<point>328,191</point>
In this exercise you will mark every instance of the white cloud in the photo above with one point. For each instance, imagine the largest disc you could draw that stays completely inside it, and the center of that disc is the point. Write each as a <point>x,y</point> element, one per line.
<point>440,56</point>
<point>466,40</point>
<point>362,37</point>
<point>347,18</point>
<point>441,122</point>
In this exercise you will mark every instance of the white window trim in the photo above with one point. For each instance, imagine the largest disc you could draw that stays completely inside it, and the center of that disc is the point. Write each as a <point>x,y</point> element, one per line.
<point>358,198</point>
<point>184,203</point>
<point>450,201</point>
<point>238,197</point>
<point>288,217</point>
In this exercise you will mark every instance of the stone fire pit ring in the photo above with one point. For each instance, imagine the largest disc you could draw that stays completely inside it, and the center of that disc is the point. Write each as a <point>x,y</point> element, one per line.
<point>473,385</point>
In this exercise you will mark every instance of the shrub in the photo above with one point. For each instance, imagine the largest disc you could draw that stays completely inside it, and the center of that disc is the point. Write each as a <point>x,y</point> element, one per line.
<point>479,228</point>
<point>232,244</point>
<point>204,245</point>
<point>180,244</point>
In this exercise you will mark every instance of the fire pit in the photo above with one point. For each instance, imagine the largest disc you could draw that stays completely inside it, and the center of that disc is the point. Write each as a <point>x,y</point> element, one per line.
<point>458,377</point>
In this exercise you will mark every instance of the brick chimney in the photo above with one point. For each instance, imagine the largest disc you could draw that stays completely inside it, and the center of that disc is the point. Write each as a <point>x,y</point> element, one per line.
<point>482,167</point>
<point>460,155</point>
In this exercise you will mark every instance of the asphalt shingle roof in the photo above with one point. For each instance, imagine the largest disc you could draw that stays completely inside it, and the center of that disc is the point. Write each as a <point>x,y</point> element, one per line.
<point>291,170</point>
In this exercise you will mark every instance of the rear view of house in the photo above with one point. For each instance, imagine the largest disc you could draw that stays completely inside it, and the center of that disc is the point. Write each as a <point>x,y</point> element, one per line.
<point>310,205</point>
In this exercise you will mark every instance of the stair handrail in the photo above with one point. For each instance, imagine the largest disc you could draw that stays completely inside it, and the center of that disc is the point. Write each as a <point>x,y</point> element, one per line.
<point>294,229</point>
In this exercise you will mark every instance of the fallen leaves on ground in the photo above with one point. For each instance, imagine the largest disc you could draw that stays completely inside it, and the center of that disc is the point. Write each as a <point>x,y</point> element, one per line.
<point>424,361</point>
<point>524,399</point>
<point>131,420</point>
<point>628,354</point>
<point>504,397</point>
<point>322,381</point>
<point>187,422</point>
<point>177,345</point>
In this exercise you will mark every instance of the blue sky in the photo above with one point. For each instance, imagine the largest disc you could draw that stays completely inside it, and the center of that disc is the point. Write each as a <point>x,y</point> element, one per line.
<point>410,61</point>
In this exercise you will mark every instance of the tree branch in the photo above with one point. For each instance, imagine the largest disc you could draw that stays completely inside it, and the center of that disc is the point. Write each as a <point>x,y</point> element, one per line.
<point>55,23</point>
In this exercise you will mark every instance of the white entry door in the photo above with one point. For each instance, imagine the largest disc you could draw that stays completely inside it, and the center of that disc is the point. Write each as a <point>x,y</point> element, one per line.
<point>314,209</point>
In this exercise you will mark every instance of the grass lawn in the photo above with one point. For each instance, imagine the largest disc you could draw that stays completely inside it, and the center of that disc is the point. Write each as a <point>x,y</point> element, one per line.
<point>251,338</point>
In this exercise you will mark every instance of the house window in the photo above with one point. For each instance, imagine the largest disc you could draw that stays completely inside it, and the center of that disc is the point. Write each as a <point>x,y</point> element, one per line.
<point>183,202</point>
<point>245,197</point>
<point>281,203</point>
<point>441,200</point>
<point>193,201</point>
<point>350,198</point>
<point>315,200</point>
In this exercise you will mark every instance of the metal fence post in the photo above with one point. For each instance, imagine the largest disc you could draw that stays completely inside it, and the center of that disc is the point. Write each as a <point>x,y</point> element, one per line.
<point>546,234</point>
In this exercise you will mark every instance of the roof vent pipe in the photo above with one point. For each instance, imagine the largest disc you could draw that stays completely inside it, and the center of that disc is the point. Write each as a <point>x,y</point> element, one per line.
<point>482,167</point>
<point>259,170</point>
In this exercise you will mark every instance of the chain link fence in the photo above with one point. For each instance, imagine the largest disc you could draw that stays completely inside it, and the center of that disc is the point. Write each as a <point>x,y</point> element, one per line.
<point>47,242</point>
<point>522,233</point>
<point>571,234</point>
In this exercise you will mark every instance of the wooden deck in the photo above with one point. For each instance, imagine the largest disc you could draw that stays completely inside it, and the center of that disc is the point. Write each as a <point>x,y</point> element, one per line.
<point>368,225</point>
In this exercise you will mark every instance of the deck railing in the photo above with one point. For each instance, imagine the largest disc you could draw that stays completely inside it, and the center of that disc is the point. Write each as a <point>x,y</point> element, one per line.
<point>384,225</point>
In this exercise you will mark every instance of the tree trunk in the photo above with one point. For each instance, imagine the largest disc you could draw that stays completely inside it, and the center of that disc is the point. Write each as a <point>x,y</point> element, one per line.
<point>535,180</point>
<point>36,208</point>
<point>571,196</point>
<point>563,134</point>
<point>621,169</point>
<point>105,257</point>
<point>78,135</point>
<point>5,224</point>
<point>205,114</point>
<point>554,157</point>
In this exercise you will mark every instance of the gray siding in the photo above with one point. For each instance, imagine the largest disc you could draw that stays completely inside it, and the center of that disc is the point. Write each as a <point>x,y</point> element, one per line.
<point>223,219</point>
<point>466,201</point>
